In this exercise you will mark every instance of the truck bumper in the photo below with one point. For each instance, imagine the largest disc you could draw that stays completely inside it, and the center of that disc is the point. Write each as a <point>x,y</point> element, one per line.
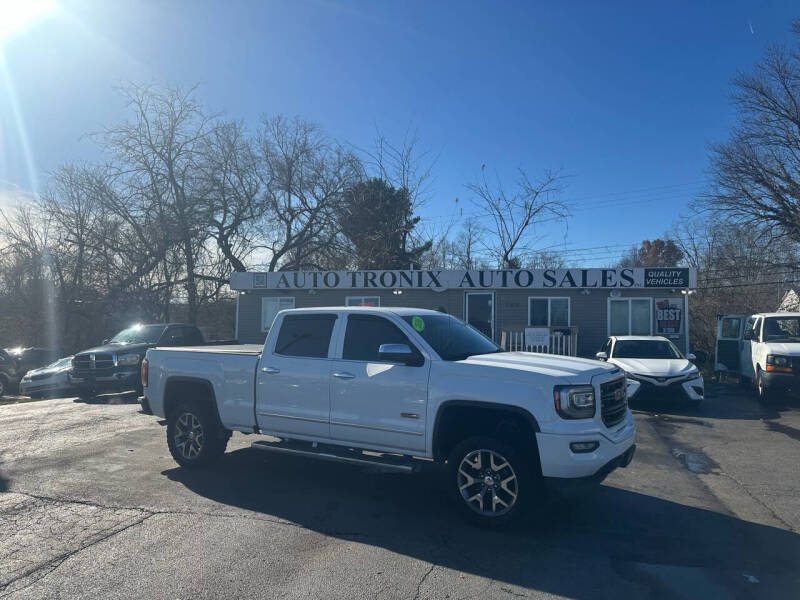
<point>145,404</point>
<point>571,487</point>
<point>122,381</point>
<point>560,460</point>
<point>780,382</point>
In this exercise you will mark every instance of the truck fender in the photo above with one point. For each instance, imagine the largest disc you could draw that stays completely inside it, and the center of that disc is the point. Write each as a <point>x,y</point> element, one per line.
<point>179,379</point>
<point>517,410</point>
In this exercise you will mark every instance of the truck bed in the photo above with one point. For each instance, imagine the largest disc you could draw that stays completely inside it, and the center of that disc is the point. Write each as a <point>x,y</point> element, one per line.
<point>245,349</point>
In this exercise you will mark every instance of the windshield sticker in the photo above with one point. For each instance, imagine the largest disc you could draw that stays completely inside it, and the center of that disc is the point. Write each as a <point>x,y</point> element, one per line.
<point>418,324</point>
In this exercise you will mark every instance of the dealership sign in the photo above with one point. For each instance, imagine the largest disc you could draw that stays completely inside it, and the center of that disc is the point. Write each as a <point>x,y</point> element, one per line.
<point>438,279</point>
<point>669,316</point>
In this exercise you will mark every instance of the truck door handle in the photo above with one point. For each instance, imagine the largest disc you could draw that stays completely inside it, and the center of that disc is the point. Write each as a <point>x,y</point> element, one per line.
<point>344,375</point>
<point>270,370</point>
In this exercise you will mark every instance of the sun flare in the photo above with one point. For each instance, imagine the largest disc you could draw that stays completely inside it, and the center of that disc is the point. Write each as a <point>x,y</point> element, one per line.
<point>17,15</point>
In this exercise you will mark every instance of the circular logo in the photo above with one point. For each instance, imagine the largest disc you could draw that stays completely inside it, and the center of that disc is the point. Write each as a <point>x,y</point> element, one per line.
<point>417,323</point>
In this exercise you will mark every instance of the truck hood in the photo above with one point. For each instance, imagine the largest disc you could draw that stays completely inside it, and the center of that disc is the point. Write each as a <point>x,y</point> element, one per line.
<point>655,367</point>
<point>546,364</point>
<point>784,348</point>
<point>119,348</point>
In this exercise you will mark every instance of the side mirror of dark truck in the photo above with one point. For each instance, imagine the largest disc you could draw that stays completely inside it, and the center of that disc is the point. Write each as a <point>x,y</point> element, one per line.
<point>399,353</point>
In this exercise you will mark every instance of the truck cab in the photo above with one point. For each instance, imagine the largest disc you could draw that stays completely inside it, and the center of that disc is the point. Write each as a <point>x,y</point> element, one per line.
<point>763,349</point>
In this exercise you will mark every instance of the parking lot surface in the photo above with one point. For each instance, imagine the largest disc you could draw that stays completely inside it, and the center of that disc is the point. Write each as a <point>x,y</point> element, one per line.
<point>92,506</point>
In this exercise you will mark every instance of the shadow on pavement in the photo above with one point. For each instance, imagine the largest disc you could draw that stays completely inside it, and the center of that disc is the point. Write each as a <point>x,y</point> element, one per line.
<point>409,514</point>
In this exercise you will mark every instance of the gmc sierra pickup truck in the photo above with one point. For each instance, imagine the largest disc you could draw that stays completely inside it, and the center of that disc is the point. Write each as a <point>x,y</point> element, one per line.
<point>397,387</point>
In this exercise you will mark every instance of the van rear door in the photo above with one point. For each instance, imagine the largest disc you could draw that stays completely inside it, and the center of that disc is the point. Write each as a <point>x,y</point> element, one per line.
<point>729,338</point>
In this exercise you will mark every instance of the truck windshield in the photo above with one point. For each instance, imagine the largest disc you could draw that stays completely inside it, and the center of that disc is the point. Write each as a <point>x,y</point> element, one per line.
<point>450,338</point>
<point>139,334</point>
<point>782,329</point>
<point>646,349</point>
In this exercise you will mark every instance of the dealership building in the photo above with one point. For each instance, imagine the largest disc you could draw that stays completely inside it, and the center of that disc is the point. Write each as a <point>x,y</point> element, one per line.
<point>564,311</point>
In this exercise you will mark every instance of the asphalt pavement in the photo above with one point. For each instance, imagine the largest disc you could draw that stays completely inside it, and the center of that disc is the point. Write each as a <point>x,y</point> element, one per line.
<point>92,506</point>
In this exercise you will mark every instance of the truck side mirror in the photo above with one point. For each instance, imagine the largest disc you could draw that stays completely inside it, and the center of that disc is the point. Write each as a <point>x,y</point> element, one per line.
<point>105,341</point>
<point>601,356</point>
<point>399,353</point>
<point>691,357</point>
<point>748,334</point>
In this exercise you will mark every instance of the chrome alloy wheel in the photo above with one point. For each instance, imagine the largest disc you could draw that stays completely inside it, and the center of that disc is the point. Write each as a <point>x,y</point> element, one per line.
<point>488,483</point>
<point>189,435</point>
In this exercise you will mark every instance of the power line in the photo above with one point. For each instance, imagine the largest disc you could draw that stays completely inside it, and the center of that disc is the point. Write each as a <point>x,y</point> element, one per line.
<point>739,285</point>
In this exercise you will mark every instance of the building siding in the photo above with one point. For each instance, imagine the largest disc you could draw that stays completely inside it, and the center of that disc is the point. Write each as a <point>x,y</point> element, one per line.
<point>588,312</point>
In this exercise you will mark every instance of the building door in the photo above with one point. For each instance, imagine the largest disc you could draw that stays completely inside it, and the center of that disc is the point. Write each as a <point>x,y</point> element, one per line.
<point>480,312</point>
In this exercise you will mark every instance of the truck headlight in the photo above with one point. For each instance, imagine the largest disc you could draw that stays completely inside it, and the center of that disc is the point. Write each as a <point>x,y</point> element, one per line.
<point>779,363</point>
<point>127,360</point>
<point>574,401</point>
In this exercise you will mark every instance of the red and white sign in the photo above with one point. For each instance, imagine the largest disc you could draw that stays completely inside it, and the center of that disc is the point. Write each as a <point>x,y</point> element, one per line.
<point>669,316</point>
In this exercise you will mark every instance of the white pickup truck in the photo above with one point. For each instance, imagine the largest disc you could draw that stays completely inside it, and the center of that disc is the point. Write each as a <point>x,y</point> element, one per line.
<point>397,387</point>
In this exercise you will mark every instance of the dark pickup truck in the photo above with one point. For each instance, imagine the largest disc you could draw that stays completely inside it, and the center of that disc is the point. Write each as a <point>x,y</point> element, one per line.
<point>115,366</point>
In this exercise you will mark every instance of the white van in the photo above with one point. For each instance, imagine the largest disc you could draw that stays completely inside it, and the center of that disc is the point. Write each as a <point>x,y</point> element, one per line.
<point>763,349</point>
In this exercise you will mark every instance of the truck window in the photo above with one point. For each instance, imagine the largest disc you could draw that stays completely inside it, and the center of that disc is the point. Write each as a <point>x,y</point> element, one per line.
<point>192,336</point>
<point>450,338</point>
<point>365,334</point>
<point>173,337</point>
<point>730,327</point>
<point>305,335</point>
<point>781,329</point>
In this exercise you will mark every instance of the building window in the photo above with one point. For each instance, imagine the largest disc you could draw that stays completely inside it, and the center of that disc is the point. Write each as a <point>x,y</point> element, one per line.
<point>548,312</point>
<point>271,306</point>
<point>363,301</point>
<point>630,316</point>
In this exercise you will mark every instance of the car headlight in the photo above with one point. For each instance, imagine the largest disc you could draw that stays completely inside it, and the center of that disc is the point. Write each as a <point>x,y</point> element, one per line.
<point>779,363</point>
<point>128,359</point>
<point>574,401</point>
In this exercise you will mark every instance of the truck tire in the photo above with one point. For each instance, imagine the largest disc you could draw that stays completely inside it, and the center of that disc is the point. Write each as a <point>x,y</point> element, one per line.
<point>490,481</point>
<point>3,385</point>
<point>194,436</point>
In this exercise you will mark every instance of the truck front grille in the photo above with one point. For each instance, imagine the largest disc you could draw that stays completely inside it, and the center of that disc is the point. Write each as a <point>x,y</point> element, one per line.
<point>613,401</point>
<point>93,361</point>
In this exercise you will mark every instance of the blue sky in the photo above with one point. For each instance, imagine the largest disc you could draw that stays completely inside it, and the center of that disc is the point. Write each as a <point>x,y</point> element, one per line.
<point>624,97</point>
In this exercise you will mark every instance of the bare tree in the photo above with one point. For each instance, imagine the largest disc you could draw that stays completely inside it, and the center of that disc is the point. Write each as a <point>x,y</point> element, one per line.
<point>403,166</point>
<point>158,159</point>
<point>740,270</point>
<point>234,191</point>
<point>756,172</point>
<point>514,216</point>
<point>305,175</point>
